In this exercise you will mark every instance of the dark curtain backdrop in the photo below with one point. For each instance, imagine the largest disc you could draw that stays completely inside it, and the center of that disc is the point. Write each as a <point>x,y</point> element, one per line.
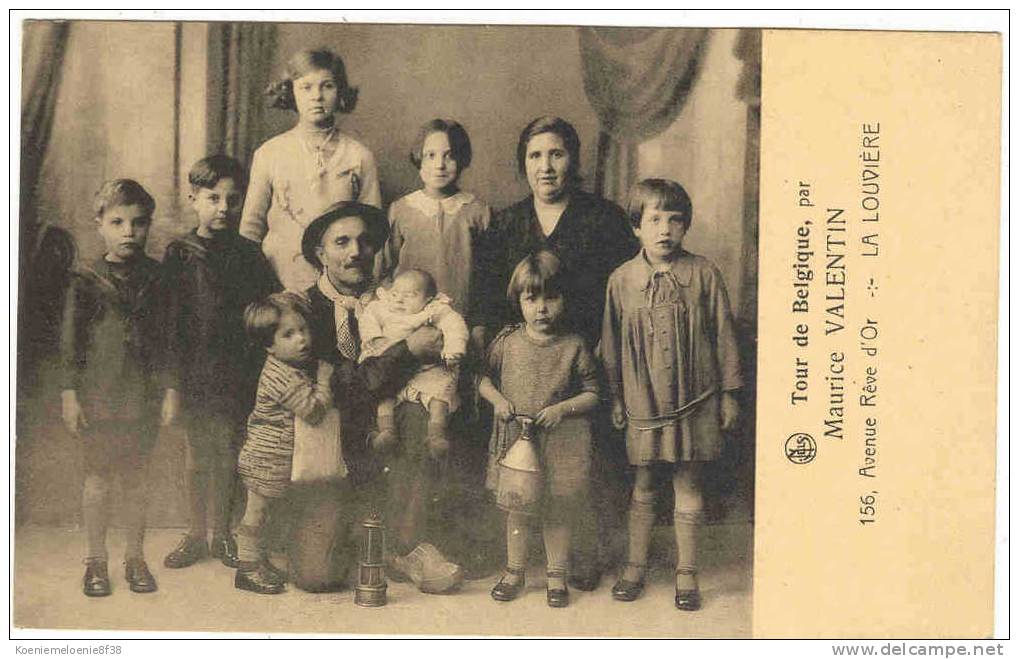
<point>43,45</point>
<point>240,68</point>
<point>47,250</point>
<point>637,81</point>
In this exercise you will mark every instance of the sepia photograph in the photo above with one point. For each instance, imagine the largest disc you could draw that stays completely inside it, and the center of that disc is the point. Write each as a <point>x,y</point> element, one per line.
<point>386,329</point>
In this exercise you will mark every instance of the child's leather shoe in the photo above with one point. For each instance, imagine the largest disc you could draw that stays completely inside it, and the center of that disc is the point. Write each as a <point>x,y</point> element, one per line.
<point>277,573</point>
<point>96,582</point>
<point>506,591</point>
<point>688,599</point>
<point>224,547</point>
<point>140,580</point>
<point>627,591</point>
<point>254,577</point>
<point>188,551</point>
<point>586,579</point>
<point>557,598</point>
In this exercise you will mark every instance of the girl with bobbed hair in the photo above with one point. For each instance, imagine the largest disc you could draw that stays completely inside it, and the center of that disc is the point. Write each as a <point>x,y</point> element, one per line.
<point>295,176</point>
<point>438,227</point>
<point>591,237</point>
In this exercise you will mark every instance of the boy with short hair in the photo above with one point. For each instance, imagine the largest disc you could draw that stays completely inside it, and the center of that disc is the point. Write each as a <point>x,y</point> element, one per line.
<point>212,275</point>
<point>111,353</point>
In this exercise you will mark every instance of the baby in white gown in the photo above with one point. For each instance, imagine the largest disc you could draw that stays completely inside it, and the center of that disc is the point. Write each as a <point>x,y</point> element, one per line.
<point>411,302</point>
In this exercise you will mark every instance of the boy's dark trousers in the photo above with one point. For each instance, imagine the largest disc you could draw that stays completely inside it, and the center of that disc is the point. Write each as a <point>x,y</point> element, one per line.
<point>214,438</point>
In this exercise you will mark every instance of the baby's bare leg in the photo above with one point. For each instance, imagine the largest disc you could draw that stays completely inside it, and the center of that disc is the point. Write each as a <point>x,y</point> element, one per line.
<point>386,410</point>
<point>438,422</point>
<point>385,436</point>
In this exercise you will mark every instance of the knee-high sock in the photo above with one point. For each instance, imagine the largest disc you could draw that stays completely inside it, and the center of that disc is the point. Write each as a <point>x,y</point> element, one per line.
<point>557,546</point>
<point>249,544</point>
<point>133,483</point>
<point>517,530</point>
<point>96,514</point>
<point>686,526</point>
<point>642,519</point>
<point>687,517</point>
<point>642,516</point>
<point>249,533</point>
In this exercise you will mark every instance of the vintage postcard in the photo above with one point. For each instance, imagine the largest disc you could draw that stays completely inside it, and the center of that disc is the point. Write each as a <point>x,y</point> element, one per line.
<point>408,329</point>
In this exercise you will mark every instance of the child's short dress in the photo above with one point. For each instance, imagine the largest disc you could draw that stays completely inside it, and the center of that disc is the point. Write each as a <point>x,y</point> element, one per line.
<point>669,350</point>
<point>111,349</point>
<point>266,459</point>
<point>534,374</point>
<point>380,328</point>
<point>289,188</point>
<point>440,237</point>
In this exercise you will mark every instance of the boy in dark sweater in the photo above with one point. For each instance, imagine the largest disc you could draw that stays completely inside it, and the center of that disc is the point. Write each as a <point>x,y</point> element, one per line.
<point>111,353</point>
<point>212,274</point>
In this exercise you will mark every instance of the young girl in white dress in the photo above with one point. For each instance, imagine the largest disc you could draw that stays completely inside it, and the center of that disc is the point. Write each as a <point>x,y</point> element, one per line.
<point>295,176</point>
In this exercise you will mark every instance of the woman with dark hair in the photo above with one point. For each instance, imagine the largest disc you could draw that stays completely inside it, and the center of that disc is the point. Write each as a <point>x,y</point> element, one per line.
<point>591,236</point>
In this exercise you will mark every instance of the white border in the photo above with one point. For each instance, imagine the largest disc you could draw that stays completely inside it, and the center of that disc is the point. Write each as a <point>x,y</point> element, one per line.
<point>863,18</point>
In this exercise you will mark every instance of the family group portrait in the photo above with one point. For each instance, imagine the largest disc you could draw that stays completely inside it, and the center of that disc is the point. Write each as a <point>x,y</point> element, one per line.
<point>386,329</point>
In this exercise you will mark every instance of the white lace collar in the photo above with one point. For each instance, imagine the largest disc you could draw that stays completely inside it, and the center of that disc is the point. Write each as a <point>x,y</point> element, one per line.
<point>451,205</point>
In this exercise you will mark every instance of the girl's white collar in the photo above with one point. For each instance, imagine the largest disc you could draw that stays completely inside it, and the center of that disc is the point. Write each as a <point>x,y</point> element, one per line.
<point>451,205</point>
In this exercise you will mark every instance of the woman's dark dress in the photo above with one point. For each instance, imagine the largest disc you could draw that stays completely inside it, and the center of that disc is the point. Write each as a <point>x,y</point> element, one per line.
<point>592,238</point>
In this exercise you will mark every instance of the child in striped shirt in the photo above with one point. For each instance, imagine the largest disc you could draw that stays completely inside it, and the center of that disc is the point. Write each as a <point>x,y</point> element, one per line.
<point>292,385</point>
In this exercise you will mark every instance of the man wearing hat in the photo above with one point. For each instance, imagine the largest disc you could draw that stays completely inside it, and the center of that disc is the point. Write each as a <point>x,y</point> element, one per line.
<point>341,244</point>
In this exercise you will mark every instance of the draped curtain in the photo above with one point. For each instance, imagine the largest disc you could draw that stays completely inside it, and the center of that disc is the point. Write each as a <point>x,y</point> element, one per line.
<point>637,81</point>
<point>43,46</point>
<point>241,60</point>
<point>46,251</point>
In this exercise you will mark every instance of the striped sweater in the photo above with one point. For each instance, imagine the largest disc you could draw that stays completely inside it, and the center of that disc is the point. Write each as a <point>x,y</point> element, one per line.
<point>284,391</point>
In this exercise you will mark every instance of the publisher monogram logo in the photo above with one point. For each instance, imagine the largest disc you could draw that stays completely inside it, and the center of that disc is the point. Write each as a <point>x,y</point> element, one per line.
<point>800,448</point>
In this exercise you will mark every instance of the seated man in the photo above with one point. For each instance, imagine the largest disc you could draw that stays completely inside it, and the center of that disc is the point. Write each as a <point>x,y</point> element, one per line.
<point>342,244</point>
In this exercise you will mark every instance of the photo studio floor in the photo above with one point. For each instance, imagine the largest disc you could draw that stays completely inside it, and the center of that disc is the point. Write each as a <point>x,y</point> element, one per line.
<point>202,598</point>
